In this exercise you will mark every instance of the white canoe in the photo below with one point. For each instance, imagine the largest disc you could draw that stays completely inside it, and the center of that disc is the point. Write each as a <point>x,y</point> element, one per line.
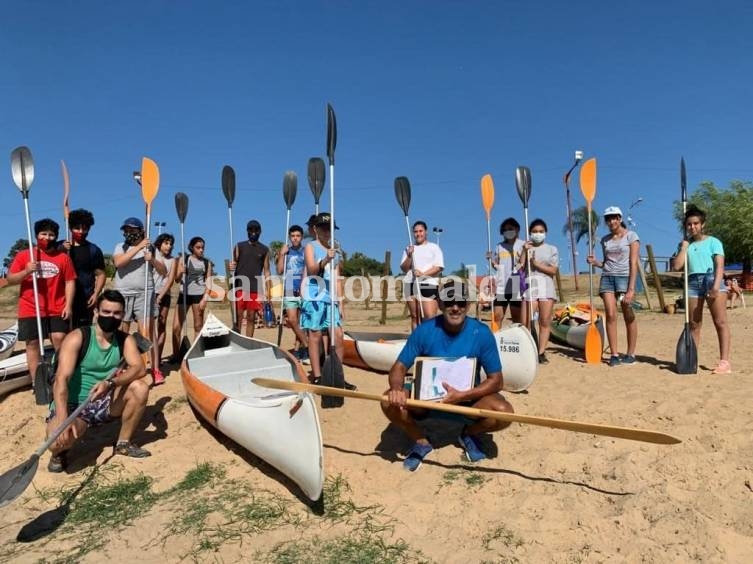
<point>8,340</point>
<point>14,371</point>
<point>379,351</point>
<point>281,428</point>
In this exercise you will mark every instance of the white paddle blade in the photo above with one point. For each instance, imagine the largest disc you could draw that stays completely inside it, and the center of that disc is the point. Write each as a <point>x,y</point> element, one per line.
<point>22,168</point>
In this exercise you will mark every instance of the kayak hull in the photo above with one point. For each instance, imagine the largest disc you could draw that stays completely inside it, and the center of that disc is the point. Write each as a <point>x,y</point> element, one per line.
<point>575,335</point>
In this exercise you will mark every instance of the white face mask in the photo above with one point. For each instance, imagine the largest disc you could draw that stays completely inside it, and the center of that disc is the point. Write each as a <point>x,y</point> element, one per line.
<point>509,235</point>
<point>538,237</point>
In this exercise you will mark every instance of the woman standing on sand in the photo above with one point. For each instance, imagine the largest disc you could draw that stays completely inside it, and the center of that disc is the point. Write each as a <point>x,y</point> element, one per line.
<point>544,263</point>
<point>162,285</point>
<point>422,261</point>
<point>705,256</point>
<point>193,274</point>
<point>621,249</point>
<point>506,262</point>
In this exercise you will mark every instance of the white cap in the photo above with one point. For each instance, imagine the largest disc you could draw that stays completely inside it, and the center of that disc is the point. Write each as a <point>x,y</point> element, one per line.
<point>613,210</point>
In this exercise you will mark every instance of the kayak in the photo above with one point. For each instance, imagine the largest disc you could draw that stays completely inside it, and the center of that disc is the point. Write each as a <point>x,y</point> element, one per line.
<point>281,428</point>
<point>571,323</point>
<point>379,351</point>
<point>14,373</point>
<point>8,340</point>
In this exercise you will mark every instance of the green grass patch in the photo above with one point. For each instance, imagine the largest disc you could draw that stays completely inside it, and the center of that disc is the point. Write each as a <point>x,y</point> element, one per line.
<point>354,549</point>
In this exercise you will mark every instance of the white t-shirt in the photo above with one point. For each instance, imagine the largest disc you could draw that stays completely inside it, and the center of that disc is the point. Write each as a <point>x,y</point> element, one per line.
<point>425,257</point>
<point>508,257</point>
<point>541,286</point>
<point>617,253</point>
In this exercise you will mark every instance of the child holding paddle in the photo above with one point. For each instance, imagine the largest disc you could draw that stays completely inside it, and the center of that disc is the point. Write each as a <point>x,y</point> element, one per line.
<point>290,262</point>
<point>621,249</point>
<point>506,261</point>
<point>194,271</point>
<point>162,285</point>
<point>705,256</point>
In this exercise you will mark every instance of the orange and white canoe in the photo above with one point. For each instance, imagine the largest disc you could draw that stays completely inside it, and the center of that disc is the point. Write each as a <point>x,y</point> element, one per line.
<point>281,428</point>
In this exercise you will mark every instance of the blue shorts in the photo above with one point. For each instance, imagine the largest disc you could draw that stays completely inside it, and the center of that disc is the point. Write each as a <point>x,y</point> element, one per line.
<point>315,315</point>
<point>612,284</point>
<point>700,284</point>
<point>291,302</point>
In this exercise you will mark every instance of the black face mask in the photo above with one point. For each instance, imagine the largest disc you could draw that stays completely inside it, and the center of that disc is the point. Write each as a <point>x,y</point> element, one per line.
<point>133,238</point>
<point>108,324</point>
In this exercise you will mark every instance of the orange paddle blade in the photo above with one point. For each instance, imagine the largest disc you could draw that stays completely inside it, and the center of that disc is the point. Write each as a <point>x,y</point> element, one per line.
<point>66,189</point>
<point>593,344</point>
<point>487,194</point>
<point>149,180</point>
<point>588,180</point>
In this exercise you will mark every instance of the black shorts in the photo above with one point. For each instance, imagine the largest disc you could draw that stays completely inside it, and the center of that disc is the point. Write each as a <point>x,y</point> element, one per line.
<point>190,300</point>
<point>504,301</point>
<point>27,327</point>
<point>427,290</point>
<point>166,301</point>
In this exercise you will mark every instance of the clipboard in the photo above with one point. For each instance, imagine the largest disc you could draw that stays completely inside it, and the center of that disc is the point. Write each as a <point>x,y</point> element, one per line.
<point>430,372</point>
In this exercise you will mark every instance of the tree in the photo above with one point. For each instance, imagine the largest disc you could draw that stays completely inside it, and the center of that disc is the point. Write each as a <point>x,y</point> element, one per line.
<point>728,213</point>
<point>274,249</point>
<point>358,261</point>
<point>580,224</point>
<point>19,245</point>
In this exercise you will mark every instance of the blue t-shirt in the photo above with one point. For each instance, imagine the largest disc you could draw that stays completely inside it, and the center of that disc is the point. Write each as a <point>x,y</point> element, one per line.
<point>475,340</point>
<point>318,287</point>
<point>701,255</point>
<point>295,264</point>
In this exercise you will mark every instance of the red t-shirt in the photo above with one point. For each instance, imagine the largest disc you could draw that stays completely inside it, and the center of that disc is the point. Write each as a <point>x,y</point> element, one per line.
<point>55,270</point>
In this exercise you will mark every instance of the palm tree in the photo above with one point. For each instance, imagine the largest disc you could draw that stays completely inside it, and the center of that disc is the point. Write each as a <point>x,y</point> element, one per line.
<point>580,224</point>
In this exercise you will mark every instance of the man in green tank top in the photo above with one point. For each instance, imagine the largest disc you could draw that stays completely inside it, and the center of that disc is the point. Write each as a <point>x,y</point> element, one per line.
<point>82,371</point>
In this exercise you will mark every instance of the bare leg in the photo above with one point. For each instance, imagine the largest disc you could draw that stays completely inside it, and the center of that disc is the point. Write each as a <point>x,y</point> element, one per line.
<point>631,326</point>
<point>493,402</point>
<point>719,317</point>
<point>429,307</point>
<point>251,323</point>
<point>198,318</point>
<point>315,341</point>
<point>545,323</point>
<point>32,355</point>
<point>413,308</point>
<point>696,320</point>
<point>291,315</point>
<point>610,312</point>
<point>129,404</point>
<point>403,419</point>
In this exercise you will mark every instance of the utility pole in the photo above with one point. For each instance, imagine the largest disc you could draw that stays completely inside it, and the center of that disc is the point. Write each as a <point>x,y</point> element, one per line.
<point>574,253</point>
<point>438,231</point>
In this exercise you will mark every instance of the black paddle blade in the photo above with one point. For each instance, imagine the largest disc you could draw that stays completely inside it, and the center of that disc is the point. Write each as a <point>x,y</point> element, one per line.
<point>185,344</point>
<point>42,391</point>
<point>228,184</point>
<point>289,188</point>
<point>686,357</point>
<point>402,193</point>
<point>16,480</point>
<point>333,376</point>
<point>523,184</point>
<point>316,177</point>
<point>181,206</point>
<point>22,168</point>
<point>331,134</point>
<point>683,181</point>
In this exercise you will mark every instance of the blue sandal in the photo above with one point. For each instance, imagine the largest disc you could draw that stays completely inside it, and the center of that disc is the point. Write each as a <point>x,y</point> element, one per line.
<point>416,456</point>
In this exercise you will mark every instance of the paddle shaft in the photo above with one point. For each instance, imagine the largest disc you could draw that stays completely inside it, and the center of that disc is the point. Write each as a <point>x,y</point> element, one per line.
<point>416,286</point>
<point>562,424</point>
<point>332,271</point>
<point>284,274</point>
<point>184,257</point>
<point>531,327</point>
<point>34,278</point>
<point>233,313</point>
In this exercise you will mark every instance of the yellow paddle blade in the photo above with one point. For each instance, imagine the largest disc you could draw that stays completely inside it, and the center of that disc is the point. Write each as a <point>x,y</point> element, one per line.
<point>487,194</point>
<point>149,180</point>
<point>495,325</point>
<point>588,180</point>
<point>66,189</point>
<point>593,344</point>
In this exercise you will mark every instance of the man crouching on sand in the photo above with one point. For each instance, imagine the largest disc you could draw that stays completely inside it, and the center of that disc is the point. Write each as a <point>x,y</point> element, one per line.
<point>85,362</point>
<point>451,334</point>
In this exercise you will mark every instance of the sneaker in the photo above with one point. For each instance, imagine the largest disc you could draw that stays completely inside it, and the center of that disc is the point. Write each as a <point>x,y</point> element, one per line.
<point>628,359</point>
<point>58,463</point>
<point>157,377</point>
<point>472,451</point>
<point>543,359</point>
<point>349,386</point>
<point>127,448</point>
<point>416,456</point>
<point>724,367</point>
<point>614,361</point>
<point>316,380</point>
<point>304,356</point>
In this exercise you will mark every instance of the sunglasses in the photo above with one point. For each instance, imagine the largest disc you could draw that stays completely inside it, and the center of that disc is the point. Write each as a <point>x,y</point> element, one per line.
<point>449,303</point>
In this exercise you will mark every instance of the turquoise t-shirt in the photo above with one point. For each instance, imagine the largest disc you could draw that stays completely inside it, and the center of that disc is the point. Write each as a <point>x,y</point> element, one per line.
<point>701,255</point>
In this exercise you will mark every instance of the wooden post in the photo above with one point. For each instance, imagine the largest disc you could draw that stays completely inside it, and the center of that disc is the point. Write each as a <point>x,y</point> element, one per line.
<point>559,286</point>
<point>385,273</point>
<point>657,280</point>
<point>644,283</point>
<point>367,300</point>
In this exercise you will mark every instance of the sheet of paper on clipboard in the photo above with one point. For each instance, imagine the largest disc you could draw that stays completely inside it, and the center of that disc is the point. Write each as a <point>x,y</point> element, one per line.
<point>431,372</point>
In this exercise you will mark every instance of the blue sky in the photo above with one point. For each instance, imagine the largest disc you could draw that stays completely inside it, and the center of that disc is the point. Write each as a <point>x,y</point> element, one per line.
<point>441,92</point>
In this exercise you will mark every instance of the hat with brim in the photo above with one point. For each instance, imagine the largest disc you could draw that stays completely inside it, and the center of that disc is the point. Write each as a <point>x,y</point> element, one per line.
<point>612,210</point>
<point>324,218</point>
<point>134,222</point>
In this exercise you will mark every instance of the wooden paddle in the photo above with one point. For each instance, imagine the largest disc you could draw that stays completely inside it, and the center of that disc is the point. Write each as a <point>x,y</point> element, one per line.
<point>686,355</point>
<point>487,200</point>
<point>66,193</point>
<point>594,346</point>
<point>22,167</point>
<point>17,479</point>
<point>402,194</point>
<point>289,191</point>
<point>563,424</point>
<point>181,208</point>
<point>316,180</point>
<point>332,370</point>
<point>523,187</point>
<point>228,190</point>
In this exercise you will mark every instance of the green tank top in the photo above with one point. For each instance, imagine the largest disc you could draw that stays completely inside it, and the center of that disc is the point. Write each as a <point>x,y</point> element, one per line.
<point>96,366</point>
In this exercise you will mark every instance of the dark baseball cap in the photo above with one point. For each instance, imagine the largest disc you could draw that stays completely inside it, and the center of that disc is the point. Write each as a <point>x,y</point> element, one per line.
<point>253,224</point>
<point>133,222</point>
<point>324,218</point>
<point>312,220</point>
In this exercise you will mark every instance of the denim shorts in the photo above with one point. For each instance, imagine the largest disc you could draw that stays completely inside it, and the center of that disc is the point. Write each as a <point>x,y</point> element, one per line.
<point>700,284</point>
<point>611,284</point>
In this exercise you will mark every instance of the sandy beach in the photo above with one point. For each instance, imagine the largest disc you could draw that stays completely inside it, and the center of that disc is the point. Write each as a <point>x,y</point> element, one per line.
<point>544,496</point>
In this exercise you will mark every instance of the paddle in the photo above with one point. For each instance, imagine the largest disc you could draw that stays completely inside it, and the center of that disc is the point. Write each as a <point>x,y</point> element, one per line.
<point>289,191</point>
<point>332,370</point>
<point>16,480</point>
<point>593,346</point>
<point>686,355</point>
<point>149,189</point>
<point>523,186</point>
<point>563,424</point>
<point>228,190</point>
<point>316,179</point>
<point>66,193</point>
<point>181,208</point>
<point>22,167</point>
<point>402,194</point>
<point>487,200</point>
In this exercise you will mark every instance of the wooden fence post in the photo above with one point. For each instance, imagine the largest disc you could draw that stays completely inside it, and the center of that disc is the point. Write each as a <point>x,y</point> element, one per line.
<point>657,280</point>
<point>383,284</point>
